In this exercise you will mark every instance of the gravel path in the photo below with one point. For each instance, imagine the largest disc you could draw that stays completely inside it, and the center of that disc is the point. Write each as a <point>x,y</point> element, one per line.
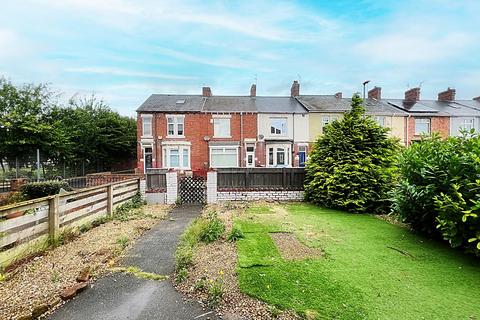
<point>122,296</point>
<point>38,283</point>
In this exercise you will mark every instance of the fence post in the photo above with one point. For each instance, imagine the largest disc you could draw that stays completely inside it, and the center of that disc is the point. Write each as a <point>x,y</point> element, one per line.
<point>247,178</point>
<point>284,177</point>
<point>53,217</point>
<point>212,187</point>
<point>110,199</point>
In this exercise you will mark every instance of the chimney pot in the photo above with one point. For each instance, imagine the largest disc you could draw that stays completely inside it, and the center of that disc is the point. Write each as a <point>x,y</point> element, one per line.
<point>447,95</point>
<point>338,95</point>
<point>412,95</point>
<point>253,90</point>
<point>375,93</point>
<point>206,92</point>
<point>295,90</point>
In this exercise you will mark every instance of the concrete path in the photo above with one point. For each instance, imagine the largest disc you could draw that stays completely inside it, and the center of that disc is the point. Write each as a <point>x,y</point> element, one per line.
<point>121,296</point>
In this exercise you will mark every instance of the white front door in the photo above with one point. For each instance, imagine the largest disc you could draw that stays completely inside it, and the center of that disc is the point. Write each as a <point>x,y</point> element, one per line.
<point>250,155</point>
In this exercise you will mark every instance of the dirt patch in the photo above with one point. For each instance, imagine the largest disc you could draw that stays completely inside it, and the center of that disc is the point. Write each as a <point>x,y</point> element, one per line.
<point>40,280</point>
<point>292,249</point>
<point>218,262</point>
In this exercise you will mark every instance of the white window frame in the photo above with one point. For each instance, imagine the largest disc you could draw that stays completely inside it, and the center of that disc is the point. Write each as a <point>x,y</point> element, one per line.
<point>144,160</point>
<point>283,129</point>
<point>216,122</point>
<point>148,117</point>
<point>423,121</point>
<point>327,119</point>
<point>287,155</point>
<point>381,121</point>
<point>224,148</point>
<point>250,153</point>
<point>176,121</point>
<point>166,160</point>
<point>464,124</point>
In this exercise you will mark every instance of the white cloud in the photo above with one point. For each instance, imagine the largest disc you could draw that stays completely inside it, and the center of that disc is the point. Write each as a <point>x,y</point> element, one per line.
<point>11,44</point>
<point>412,46</point>
<point>128,73</point>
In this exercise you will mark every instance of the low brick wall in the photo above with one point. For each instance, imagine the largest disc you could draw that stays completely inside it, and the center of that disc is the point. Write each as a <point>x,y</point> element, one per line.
<point>275,195</point>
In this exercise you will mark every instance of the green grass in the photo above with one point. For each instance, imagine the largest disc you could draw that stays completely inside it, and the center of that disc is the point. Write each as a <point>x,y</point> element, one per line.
<point>362,274</point>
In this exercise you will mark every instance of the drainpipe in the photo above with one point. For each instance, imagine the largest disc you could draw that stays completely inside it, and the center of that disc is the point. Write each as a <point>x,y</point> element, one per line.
<point>292,158</point>
<point>241,139</point>
<point>406,129</point>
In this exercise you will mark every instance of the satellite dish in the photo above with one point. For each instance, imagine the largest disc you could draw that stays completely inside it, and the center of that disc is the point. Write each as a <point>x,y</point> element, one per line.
<point>261,136</point>
<point>206,138</point>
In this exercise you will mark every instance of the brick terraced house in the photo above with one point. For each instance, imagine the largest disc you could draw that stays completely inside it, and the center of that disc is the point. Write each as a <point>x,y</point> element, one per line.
<point>201,132</point>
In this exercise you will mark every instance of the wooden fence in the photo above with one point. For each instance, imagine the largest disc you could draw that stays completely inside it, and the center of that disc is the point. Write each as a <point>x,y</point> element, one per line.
<point>156,179</point>
<point>260,178</point>
<point>30,219</point>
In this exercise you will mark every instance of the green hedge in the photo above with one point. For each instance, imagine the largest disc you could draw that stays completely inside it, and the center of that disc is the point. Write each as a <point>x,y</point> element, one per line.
<point>439,191</point>
<point>35,190</point>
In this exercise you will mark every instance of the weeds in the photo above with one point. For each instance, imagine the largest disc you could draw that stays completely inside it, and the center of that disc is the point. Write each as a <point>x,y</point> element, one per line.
<point>182,275</point>
<point>123,242</point>
<point>235,234</point>
<point>214,292</point>
<point>137,272</point>
<point>213,228</point>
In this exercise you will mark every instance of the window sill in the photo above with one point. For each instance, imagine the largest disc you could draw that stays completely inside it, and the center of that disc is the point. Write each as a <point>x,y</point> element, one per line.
<point>176,137</point>
<point>222,137</point>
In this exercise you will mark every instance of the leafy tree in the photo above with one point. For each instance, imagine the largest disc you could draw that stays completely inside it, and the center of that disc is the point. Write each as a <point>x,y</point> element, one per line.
<point>439,191</point>
<point>351,166</point>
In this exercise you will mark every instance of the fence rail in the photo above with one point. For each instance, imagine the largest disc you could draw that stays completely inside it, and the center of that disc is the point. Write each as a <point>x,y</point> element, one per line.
<point>30,219</point>
<point>156,179</point>
<point>261,178</point>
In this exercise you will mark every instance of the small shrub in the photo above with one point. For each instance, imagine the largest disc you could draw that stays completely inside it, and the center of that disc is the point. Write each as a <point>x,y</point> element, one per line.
<point>36,190</point>
<point>200,284</point>
<point>182,275</point>
<point>214,292</point>
<point>274,311</point>
<point>122,241</point>
<point>235,234</point>
<point>213,228</point>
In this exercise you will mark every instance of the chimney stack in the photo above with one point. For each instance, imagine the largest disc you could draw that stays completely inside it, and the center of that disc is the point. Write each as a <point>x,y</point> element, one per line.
<point>477,99</point>
<point>412,95</point>
<point>206,92</point>
<point>253,90</point>
<point>447,95</point>
<point>295,90</point>
<point>375,93</point>
<point>338,95</point>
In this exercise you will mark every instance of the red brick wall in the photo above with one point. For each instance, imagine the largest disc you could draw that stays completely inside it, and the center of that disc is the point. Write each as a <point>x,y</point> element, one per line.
<point>197,126</point>
<point>440,125</point>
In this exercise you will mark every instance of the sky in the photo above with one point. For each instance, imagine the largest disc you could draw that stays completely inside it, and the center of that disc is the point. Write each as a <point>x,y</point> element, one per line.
<point>123,51</point>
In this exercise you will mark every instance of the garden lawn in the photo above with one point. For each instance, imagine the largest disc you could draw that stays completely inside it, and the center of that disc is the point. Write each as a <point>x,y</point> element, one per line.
<point>370,269</point>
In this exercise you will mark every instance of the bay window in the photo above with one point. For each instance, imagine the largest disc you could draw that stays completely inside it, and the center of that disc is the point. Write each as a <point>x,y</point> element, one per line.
<point>176,157</point>
<point>223,157</point>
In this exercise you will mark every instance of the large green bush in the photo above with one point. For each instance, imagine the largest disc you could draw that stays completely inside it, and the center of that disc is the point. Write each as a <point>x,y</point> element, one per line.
<point>439,192</point>
<point>35,190</point>
<point>351,166</point>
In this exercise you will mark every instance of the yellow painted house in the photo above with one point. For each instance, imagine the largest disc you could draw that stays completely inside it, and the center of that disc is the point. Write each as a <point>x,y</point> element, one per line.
<point>324,109</point>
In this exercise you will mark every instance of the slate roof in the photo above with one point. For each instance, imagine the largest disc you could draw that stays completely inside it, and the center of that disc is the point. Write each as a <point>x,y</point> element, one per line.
<point>330,103</point>
<point>197,103</point>
<point>436,108</point>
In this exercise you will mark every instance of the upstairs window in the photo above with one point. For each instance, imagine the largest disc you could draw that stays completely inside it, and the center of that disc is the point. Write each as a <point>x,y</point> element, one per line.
<point>147,125</point>
<point>221,127</point>
<point>326,120</point>
<point>278,126</point>
<point>422,126</point>
<point>175,125</point>
<point>467,124</point>
<point>380,120</point>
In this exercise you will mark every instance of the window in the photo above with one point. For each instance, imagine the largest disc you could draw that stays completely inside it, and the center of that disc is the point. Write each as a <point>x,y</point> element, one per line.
<point>467,124</point>
<point>302,155</point>
<point>175,125</point>
<point>278,155</point>
<point>223,157</point>
<point>278,126</point>
<point>147,125</point>
<point>326,120</point>
<point>221,127</point>
<point>177,157</point>
<point>422,126</point>
<point>380,120</point>
<point>148,157</point>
